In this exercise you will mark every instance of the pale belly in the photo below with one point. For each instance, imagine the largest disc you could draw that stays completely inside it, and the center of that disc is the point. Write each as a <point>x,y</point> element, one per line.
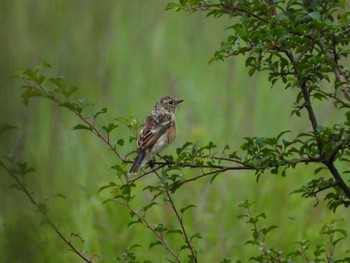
<point>160,145</point>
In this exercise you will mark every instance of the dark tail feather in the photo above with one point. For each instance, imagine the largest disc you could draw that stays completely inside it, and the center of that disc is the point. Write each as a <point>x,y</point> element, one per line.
<point>138,161</point>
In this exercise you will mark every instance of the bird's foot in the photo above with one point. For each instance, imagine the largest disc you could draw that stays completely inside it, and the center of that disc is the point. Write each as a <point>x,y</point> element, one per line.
<point>151,163</point>
<point>167,161</point>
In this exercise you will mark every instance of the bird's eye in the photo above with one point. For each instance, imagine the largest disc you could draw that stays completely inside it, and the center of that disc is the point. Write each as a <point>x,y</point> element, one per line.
<point>171,102</point>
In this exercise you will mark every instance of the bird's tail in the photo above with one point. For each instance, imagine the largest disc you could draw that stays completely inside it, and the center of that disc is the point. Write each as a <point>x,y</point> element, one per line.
<point>138,161</point>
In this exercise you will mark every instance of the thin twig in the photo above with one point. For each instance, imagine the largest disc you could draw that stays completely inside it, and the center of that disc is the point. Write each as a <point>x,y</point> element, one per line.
<point>99,134</point>
<point>184,233</point>
<point>194,255</point>
<point>179,183</point>
<point>81,117</point>
<point>159,166</point>
<point>218,168</point>
<point>334,65</point>
<point>338,178</point>
<point>320,189</point>
<point>148,226</point>
<point>331,247</point>
<point>306,96</point>
<point>230,8</point>
<point>331,95</point>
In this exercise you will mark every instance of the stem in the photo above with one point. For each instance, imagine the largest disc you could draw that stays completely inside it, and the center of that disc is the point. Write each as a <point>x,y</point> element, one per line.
<point>147,225</point>
<point>306,96</point>
<point>331,248</point>
<point>187,241</point>
<point>194,256</point>
<point>231,8</point>
<point>338,178</point>
<point>333,62</point>
<point>99,134</point>
<point>81,117</point>
<point>219,168</point>
<point>330,162</point>
<point>331,95</point>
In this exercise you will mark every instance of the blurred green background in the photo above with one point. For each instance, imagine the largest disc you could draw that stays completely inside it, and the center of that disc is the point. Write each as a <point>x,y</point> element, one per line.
<point>124,55</point>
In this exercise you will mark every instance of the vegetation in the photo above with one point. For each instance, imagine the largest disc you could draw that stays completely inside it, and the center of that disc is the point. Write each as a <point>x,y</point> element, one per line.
<point>301,48</point>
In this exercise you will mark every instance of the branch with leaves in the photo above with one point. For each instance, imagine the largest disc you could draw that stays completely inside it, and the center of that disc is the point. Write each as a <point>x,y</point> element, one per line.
<point>259,235</point>
<point>301,45</point>
<point>275,154</point>
<point>17,171</point>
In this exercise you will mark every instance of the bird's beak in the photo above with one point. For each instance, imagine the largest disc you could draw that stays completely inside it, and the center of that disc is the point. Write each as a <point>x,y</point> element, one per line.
<point>179,101</point>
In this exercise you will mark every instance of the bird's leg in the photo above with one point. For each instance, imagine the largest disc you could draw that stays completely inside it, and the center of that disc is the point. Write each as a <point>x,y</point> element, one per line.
<point>167,161</point>
<point>151,162</point>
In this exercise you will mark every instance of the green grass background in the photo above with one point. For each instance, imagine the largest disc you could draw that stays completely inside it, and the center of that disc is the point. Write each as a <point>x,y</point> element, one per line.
<point>124,55</point>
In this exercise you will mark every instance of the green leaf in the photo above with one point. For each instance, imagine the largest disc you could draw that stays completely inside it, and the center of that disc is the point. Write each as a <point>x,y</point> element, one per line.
<point>274,171</point>
<point>341,231</point>
<point>262,215</point>
<point>173,6</point>
<point>174,231</point>
<point>109,185</point>
<point>154,244</point>
<point>196,235</point>
<point>159,228</point>
<point>72,106</point>
<point>242,216</point>
<point>107,201</point>
<point>319,170</point>
<point>184,247</point>
<point>53,196</point>
<point>315,15</point>
<point>7,127</point>
<point>120,142</point>
<point>62,87</point>
<point>265,231</point>
<point>97,113</point>
<point>137,221</point>
<point>246,204</point>
<point>214,177</point>
<point>82,127</point>
<point>182,210</point>
<point>30,92</point>
<point>110,127</point>
<point>23,168</point>
<point>146,207</point>
<point>347,114</point>
<point>183,147</point>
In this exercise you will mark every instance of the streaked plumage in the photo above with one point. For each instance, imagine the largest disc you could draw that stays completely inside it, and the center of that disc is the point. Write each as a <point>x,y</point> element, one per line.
<point>158,131</point>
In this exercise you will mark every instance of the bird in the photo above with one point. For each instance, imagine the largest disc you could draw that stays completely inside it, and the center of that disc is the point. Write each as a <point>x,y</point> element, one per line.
<point>158,131</point>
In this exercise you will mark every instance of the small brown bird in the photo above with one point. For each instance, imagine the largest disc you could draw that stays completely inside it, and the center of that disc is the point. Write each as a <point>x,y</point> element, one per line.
<point>158,131</point>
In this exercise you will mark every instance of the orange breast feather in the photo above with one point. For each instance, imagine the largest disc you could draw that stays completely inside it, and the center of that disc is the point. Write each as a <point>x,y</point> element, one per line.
<point>172,132</point>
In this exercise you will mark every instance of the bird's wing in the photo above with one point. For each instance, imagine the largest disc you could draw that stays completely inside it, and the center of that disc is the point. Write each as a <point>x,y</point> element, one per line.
<point>152,129</point>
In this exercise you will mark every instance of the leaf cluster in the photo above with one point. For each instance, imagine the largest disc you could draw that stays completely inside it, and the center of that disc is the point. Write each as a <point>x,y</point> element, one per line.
<point>303,252</point>
<point>303,46</point>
